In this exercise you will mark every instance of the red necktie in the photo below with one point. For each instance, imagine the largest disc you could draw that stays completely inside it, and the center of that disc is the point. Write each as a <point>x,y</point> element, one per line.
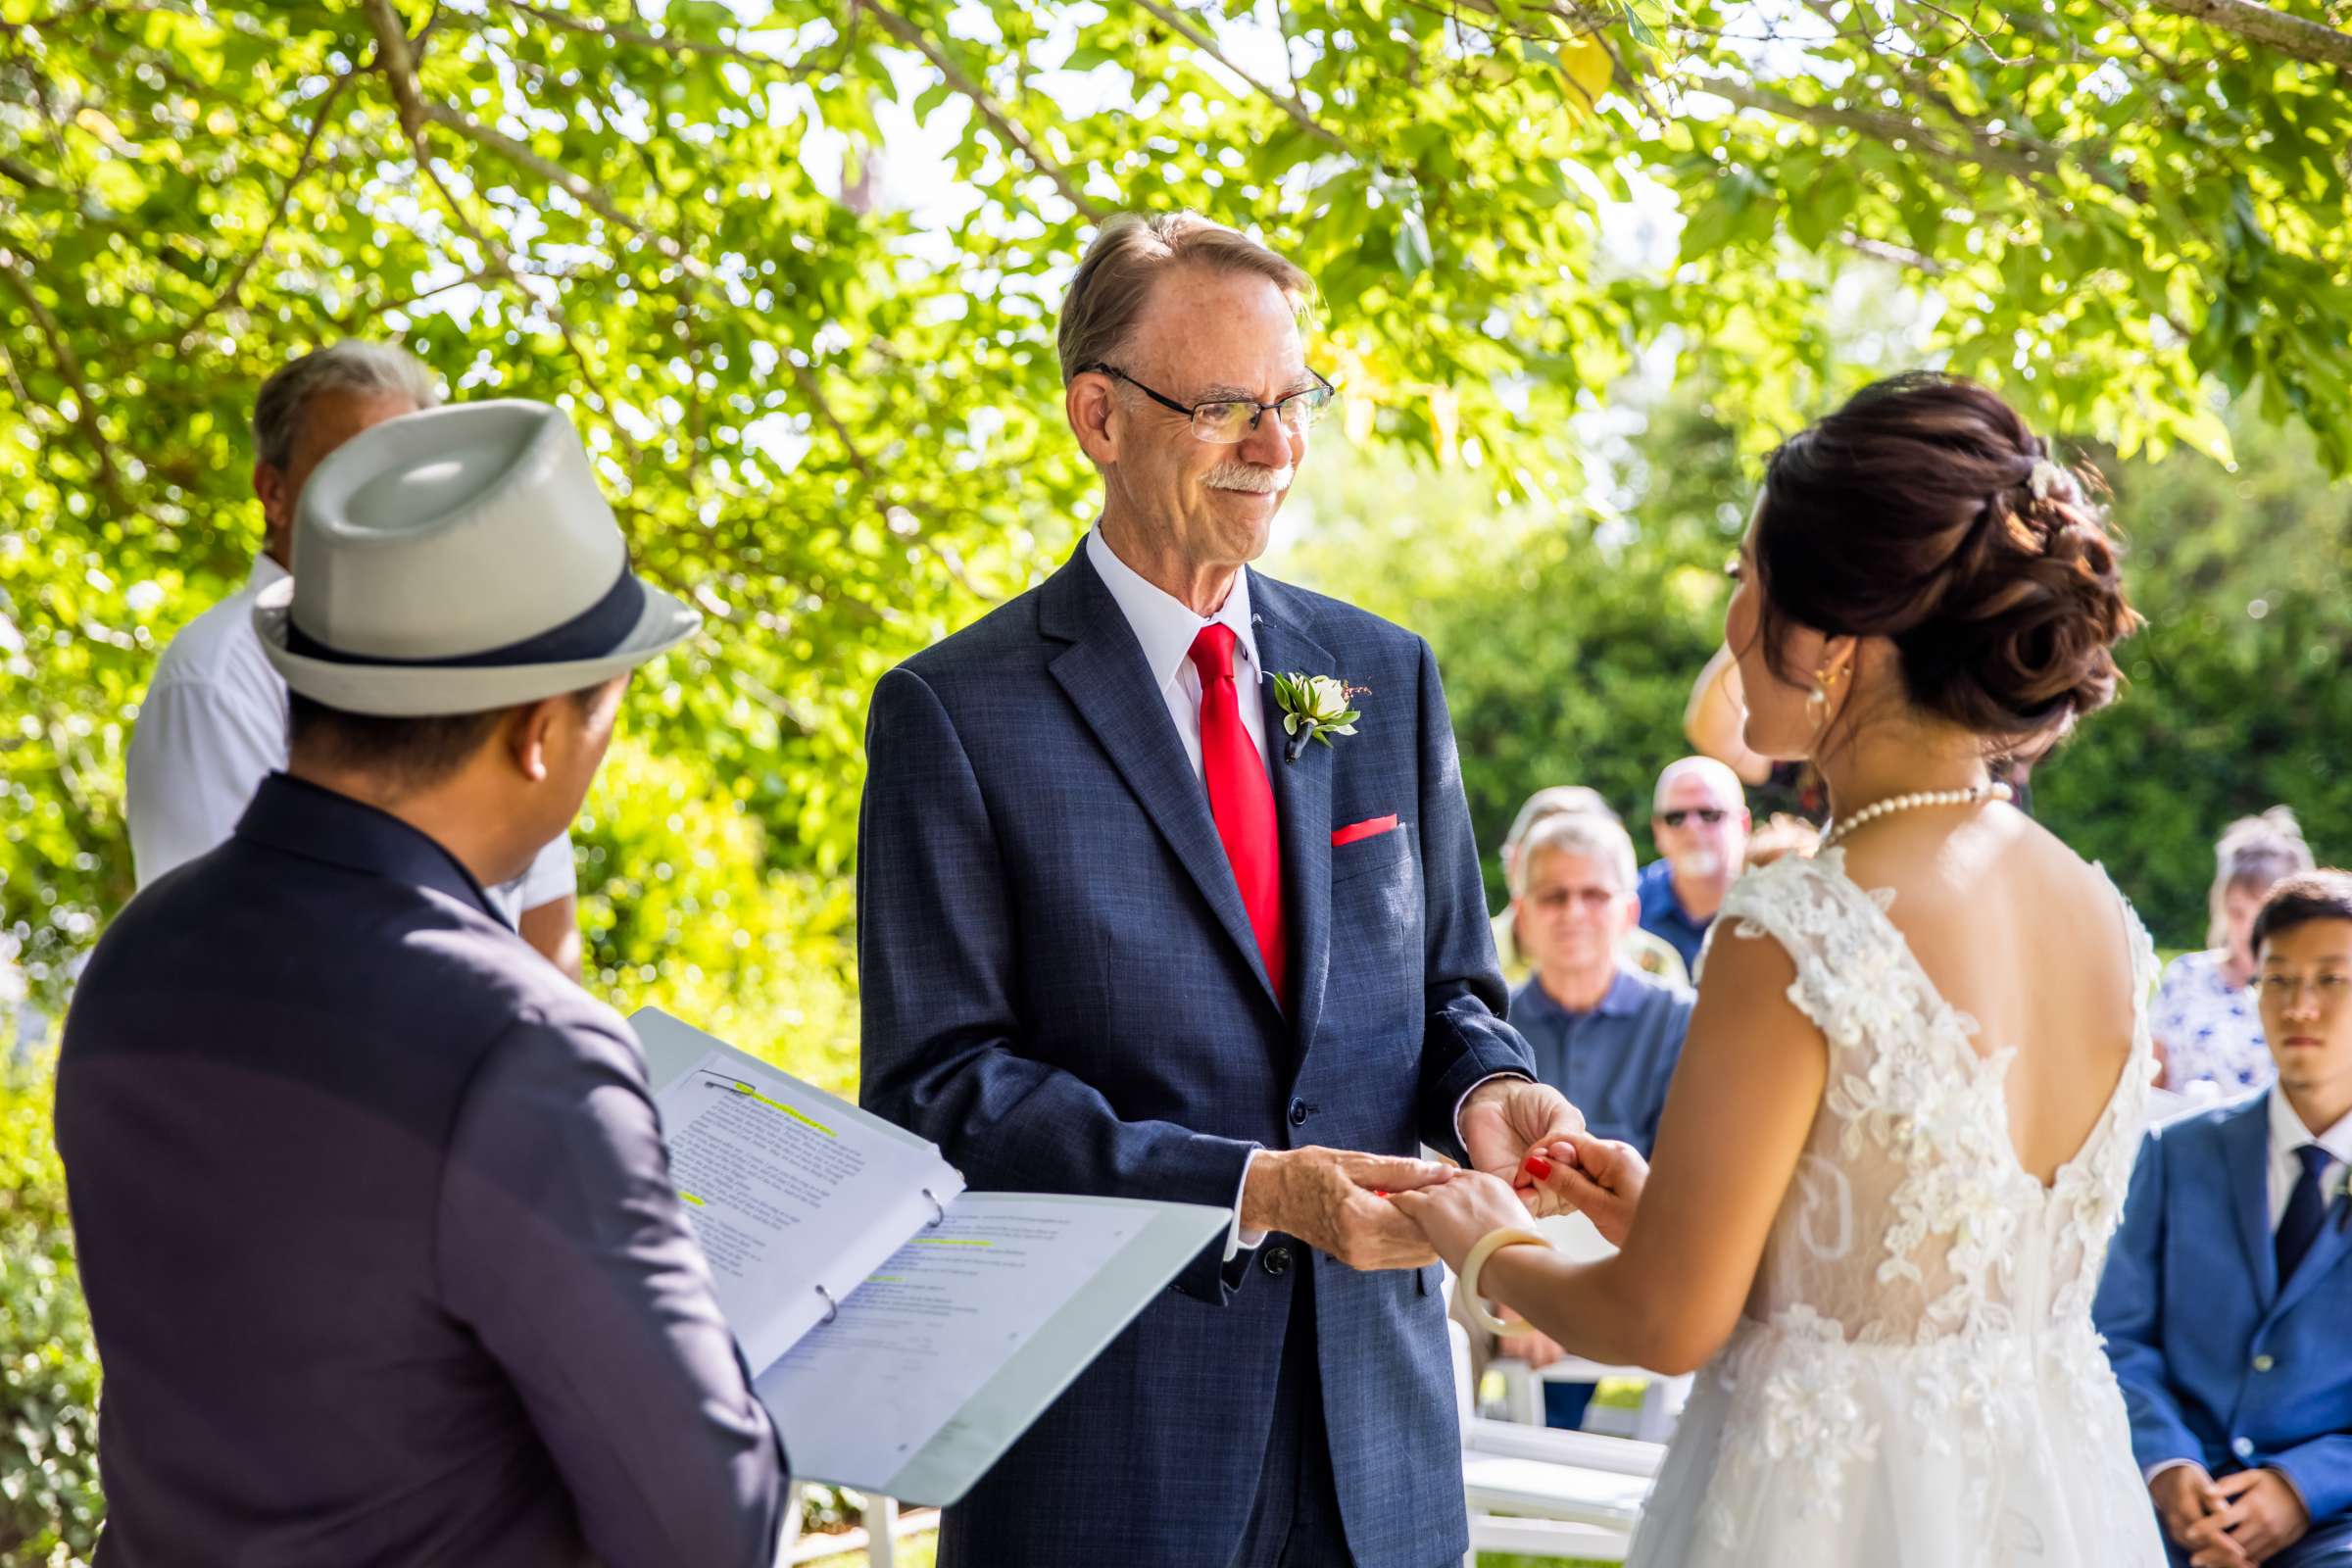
<point>1242,800</point>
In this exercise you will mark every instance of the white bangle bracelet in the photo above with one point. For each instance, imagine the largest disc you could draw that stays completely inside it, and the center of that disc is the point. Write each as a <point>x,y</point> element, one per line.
<point>1488,1245</point>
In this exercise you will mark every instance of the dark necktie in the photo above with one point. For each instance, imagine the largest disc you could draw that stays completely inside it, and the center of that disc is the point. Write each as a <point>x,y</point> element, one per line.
<point>2305,1210</point>
<point>1241,799</point>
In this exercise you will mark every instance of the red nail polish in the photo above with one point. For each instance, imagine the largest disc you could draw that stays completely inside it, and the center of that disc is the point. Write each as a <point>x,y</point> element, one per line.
<point>1539,1168</point>
<point>1377,1193</point>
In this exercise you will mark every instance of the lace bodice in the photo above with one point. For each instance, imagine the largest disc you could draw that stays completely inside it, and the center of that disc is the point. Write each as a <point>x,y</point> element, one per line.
<point>1910,1219</point>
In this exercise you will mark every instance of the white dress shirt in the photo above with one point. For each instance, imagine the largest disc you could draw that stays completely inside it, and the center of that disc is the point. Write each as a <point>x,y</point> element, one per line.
<point>214,725</point>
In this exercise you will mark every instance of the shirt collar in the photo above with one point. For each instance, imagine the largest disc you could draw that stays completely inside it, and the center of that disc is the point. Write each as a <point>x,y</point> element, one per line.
<point>303,818</point>
<point>1622,1000</point>
<point>1163,624</point>
<point>2288,1134</point>
<point>265,570</point>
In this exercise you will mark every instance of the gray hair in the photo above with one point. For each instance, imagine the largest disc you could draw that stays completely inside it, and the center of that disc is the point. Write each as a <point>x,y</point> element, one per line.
<point>2254,854</point>
<point>1558,801</point>
<point>1129,254</point>
<point>1599,839</point>
<point>351,365</point>
<point>1717,773</point>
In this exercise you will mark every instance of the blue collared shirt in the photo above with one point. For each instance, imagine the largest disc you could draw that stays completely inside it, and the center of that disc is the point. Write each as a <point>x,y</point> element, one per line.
<point>1664,914</point>
<point>1615,1061</point>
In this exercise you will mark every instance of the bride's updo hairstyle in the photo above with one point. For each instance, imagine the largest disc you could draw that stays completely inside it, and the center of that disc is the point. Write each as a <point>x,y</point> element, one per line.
<point>1923,511</point>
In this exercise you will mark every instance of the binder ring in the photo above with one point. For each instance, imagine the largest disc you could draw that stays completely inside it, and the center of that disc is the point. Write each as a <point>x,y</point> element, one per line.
<point>938,1209</point>
<point>832,1309</point>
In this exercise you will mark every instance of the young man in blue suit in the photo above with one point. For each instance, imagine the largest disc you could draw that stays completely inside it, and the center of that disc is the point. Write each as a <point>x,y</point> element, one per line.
<point>2227,1299</point>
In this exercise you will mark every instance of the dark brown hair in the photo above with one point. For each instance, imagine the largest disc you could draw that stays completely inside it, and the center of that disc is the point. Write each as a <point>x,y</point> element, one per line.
<point>405,754</point>
<point>2301,900</point>
<point>1912,514</point>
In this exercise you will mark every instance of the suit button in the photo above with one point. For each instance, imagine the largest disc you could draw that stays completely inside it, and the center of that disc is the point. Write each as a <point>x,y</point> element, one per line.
<point>1275,1260</point>
<point>1299,1112</point>
<point>2243,1448</point>
<point>2262,1363</point>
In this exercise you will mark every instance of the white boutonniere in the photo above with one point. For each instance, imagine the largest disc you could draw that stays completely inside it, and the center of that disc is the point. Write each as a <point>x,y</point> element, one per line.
<point>1314,708</point>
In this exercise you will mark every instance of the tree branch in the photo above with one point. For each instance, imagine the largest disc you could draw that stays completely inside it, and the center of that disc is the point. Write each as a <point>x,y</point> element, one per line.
<point>2274,29</point>
<point>994,113</point>
<point>594,28</point>
<point>302,169</point>
<point>68,365</point>
<point>2019,156</point>
<point>1200,40</point>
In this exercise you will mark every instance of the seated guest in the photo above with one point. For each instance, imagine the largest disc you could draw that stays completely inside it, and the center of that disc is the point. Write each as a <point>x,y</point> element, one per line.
<point>371,1205</point>
<point>1604,1034</point>
<point>1699,822</point>
<point>212,724</point>
<point>1651,954</point>
<point>2204,1017</point>
<point>2228,1292</point>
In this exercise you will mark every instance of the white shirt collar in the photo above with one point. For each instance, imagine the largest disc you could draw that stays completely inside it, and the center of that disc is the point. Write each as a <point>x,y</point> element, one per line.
<point>2288,1134</point>
<point>1164,624</point>
<point>265,570</point>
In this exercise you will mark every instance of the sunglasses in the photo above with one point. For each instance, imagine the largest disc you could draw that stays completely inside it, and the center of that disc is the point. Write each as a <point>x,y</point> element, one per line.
<point>1709,815</point>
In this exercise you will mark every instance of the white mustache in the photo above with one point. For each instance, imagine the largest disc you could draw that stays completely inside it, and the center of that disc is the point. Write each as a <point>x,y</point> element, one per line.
<point>1249,476</point>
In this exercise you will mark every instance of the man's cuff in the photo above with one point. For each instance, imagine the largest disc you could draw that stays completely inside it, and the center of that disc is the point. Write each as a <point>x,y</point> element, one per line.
<point>1474,1089</point>
<point>1238,1238</point>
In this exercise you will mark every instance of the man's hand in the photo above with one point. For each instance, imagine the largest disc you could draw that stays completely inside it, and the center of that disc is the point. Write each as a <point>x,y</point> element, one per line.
<point>1538,1351</point>
<point>1506,1119</point>
<point>1599,1178</point>
<point>2184,1495</point>
<point>1336,1202</point>
<point>2259,1514</point>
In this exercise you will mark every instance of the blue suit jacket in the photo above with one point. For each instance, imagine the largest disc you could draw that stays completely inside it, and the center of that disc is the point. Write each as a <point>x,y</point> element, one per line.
<point>2217,1362</point>
<point>1060,988</point>
<point>378,1236</point>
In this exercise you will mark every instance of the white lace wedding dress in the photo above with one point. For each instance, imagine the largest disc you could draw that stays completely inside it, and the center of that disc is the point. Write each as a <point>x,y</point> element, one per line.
<point>1916,1384</point>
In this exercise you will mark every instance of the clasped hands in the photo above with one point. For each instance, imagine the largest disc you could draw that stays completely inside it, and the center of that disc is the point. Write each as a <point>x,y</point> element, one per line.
<point>1529,1155</point>
<point>2242,1519</point>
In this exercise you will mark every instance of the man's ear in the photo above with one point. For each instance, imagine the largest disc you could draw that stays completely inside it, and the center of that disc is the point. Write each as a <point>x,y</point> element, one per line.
<point>1092,412</point>
<point>533,734</point>
<point>277,507</point>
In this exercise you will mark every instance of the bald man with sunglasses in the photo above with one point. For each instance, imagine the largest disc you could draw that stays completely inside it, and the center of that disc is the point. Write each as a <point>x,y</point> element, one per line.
<point>1699,821</point>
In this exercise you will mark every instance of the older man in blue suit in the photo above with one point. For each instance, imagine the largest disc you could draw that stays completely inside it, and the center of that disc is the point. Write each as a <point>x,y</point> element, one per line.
<point>1138,918</point>
<point>2228,1299</point>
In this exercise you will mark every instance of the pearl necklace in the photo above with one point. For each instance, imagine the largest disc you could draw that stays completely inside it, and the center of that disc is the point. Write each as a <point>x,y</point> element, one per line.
<point>1918,798</point>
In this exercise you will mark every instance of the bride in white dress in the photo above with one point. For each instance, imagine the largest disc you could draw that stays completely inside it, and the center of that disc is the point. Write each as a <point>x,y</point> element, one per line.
<point>1900,1133</point>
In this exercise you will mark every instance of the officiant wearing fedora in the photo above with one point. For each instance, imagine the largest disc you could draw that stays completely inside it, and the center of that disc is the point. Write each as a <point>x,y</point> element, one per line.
<point>371,1205</point>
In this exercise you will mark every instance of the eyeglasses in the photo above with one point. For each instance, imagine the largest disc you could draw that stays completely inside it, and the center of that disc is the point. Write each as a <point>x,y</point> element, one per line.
<point>2287,988</point>
<point>1554,900</point>
<point>1227,421</point>
<point>1712,816</point>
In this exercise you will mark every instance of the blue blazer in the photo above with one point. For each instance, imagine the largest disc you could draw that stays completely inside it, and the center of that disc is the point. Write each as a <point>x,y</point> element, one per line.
<point>2218,1363</point>
<point>1060,988</point>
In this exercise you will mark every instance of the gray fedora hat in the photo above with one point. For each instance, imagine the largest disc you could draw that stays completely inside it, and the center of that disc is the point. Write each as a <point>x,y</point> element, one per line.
<point>458,560</point>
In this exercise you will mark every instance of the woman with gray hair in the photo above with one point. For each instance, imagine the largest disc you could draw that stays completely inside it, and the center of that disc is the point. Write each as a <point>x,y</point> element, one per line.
<point>2208,1031</point>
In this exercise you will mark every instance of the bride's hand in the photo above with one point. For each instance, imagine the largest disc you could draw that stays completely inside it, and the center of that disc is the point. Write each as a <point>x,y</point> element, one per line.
<point>1599,1178</point>
<point>1454,1214</point>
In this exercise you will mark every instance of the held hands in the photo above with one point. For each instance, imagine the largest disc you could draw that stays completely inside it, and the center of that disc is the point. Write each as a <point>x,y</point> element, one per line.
<point>1506,1119</point>
<point>2244,1518</point>
<point>1601,1178</point>
<point>1337,1201</point>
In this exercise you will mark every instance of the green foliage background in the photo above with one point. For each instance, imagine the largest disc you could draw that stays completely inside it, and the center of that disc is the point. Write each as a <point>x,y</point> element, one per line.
<point>833,420</point>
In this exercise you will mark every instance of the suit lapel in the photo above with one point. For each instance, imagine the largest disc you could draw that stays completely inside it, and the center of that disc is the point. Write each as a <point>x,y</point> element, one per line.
<point>1104,674</point>
<point>2246,1146</point>
<point>1301,805</point>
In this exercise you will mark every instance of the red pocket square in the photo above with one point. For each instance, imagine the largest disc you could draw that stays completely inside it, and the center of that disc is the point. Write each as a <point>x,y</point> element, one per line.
<point>1371,828</point>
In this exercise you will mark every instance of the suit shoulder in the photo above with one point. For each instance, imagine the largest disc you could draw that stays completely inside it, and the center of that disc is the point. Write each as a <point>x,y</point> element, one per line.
<point>2205,1131</point>
<point>1009,633</point>
<point>1322,616</point>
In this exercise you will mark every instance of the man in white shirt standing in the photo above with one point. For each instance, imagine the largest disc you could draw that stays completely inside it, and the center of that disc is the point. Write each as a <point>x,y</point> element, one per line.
<point>212,724</point>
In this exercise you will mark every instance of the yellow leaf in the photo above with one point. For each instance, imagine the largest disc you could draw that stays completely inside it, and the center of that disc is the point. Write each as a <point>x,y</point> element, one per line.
<point>1587,66</point>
